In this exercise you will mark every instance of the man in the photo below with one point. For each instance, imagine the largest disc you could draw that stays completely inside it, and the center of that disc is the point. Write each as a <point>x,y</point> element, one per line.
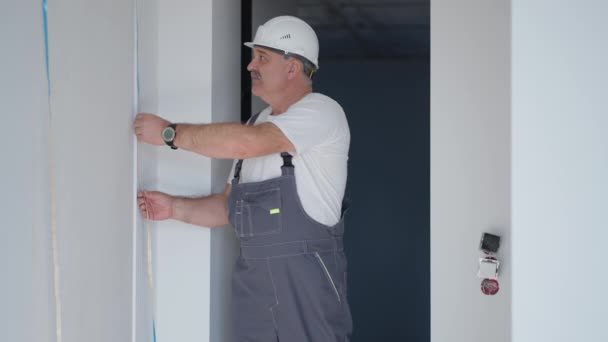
<point>283,197</point>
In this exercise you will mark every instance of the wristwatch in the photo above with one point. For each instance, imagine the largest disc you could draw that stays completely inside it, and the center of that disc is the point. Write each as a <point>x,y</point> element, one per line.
<point>169,135</point>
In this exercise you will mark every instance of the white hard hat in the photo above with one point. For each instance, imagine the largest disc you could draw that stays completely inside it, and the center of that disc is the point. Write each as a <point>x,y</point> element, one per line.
<point>289,34</point>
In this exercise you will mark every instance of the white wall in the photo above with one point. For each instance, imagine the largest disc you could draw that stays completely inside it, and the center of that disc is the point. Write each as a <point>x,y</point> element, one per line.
<point>146,166</point>
<point>182,252</point>
<point>198,80</point>
<point>470,166</point>
<point>557,182</point>
<point>560,168</point>
<point>93,165</point>
<point>76,152</point>
<point>91,59</point>
<point>225,106</point>
<point>25,311</point>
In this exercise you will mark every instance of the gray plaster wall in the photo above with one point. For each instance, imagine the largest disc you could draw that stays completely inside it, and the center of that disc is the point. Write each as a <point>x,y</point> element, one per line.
<point>470,166</point>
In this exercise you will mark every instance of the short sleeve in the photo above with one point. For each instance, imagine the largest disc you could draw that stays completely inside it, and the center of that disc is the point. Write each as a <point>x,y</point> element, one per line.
<point>310,122</point>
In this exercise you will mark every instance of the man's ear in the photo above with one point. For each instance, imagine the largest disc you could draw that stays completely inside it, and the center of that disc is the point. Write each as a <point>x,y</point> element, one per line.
<point>294,68</point>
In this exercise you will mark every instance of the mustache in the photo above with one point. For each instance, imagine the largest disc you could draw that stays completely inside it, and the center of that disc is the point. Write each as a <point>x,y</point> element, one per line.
<point>256,75</point>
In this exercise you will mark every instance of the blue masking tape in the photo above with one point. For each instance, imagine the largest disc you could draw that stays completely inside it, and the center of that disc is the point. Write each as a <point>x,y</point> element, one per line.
<point>46,45</point>
<point>137,53</point>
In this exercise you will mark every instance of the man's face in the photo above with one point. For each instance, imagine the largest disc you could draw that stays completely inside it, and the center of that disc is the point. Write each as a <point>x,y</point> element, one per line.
<point>269,71</point>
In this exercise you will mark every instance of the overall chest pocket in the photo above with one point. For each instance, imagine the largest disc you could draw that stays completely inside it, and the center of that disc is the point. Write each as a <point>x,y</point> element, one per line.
<point>259,213</point>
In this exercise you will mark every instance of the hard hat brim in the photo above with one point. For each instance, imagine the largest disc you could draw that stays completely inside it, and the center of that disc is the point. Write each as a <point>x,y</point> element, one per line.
<point>253,45</point>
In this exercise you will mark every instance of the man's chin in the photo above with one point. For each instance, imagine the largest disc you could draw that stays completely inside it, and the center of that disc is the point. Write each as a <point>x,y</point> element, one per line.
<point>255,90</point>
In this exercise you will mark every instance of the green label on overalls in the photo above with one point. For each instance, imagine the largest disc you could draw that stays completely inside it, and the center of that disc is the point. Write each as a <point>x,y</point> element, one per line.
<point>275,211</point>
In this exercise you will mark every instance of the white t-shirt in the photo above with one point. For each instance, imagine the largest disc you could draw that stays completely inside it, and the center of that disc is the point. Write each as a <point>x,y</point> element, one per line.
<point>317,127</point>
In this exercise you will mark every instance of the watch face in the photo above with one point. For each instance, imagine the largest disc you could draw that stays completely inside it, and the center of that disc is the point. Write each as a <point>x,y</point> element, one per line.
<point>168,134</point>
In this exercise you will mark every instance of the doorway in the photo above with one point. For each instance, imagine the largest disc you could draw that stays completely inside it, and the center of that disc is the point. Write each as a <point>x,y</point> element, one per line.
<point>375,61</point>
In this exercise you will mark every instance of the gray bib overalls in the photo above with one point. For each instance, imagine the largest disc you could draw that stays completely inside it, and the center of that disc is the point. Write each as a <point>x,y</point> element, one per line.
<point>289,282</point>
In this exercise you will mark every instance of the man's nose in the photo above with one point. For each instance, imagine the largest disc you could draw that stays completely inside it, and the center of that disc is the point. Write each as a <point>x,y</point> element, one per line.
<point>252,66</point>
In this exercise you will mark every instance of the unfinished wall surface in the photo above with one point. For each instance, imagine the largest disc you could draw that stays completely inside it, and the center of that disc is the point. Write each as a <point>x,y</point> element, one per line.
<point>560,164</point>
<point>25,309</point>
<point>182,253</point>
<point>470,166</point>
<point>79,156</point>
<point>225,106</point>
<point>71,170</point>
<point>91,48</point>
<point>197,75</point>
<point>144,301</point>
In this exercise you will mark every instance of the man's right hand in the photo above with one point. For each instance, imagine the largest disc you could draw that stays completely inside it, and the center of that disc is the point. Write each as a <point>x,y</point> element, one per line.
<point>155,205</point>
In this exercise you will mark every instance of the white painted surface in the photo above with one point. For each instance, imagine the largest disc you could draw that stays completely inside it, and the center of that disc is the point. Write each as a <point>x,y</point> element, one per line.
<point>198,80</point>
<point>182,254</point>
<point>560,168</point>
<point>146,173</point>
<point>91,159</point>
<point>25,311</point>
<point>470,166</point>
<point>225,106</point>
<point>92,67</point>
<point>91,54</point>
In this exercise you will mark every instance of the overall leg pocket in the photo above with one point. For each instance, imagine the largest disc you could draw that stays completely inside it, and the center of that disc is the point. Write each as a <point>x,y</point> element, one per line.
<point>325,267</point>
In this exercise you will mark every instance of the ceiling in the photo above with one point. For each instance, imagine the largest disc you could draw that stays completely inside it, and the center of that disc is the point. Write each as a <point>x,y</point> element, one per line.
<point>368,29</point>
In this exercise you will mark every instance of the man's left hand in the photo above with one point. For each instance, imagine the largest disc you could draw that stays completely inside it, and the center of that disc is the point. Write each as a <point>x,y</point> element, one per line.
<point>148,128</point>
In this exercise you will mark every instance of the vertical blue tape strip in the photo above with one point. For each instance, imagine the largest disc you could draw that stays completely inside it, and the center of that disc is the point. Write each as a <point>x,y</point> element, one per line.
<point>154,330</point>
<point>136,53</point>
<point>46,45</point>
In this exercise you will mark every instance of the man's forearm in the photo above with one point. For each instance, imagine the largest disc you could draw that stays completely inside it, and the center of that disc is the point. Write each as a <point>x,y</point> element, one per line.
<point>232,140</point>
<point>210,211</point>
<point>218,140</point>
